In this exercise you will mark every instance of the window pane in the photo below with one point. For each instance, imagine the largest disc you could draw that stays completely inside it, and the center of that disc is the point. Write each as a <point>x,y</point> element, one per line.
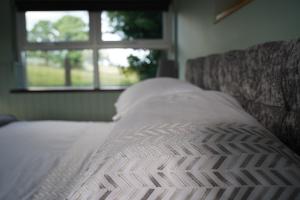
<point>130,25</point>
<point>124,67</point>
<point>59,68</point>
<point>57,26</point>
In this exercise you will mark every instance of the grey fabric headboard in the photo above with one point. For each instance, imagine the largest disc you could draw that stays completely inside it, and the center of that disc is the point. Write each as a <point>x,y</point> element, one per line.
<point>264,78</point>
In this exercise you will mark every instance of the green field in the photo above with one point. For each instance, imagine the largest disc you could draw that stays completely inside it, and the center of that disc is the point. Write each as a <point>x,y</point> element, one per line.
<point>44,76</point>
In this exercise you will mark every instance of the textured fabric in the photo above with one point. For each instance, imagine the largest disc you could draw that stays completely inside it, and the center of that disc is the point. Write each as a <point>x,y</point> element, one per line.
<point>189,146</point>
<point>32,151</point>
<point>184,145</point>
<point>264,78</point>
<point>147,89</point>
<point>180,161</point>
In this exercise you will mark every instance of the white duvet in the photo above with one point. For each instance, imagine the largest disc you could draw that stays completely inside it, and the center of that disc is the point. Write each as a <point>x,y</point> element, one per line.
<point>29,151</point>
<point>183,145</point>
<point>190,145</point>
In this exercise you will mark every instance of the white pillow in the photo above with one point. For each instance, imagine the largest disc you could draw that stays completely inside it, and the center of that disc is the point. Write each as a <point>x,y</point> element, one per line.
<point>149,88</point>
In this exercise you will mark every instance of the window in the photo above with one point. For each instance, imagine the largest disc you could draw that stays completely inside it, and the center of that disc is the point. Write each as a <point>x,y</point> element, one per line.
<point>116,25</point>
<point>59,68</point>
<point>81,49</point>
<point>57,26</point>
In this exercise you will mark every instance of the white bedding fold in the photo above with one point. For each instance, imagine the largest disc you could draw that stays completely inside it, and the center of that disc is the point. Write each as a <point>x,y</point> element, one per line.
<point>186,145</point>
<point>174,146</point>
<point>31,151</point>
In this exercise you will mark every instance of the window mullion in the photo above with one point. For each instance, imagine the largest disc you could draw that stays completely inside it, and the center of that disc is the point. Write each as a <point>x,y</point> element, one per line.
<point>94,32</point>
<point>137,44</point>
<point>57,46</point>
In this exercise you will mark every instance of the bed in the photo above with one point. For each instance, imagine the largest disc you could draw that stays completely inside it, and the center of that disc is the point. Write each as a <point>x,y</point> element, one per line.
<point>31,151</point>
<point>169,140</point>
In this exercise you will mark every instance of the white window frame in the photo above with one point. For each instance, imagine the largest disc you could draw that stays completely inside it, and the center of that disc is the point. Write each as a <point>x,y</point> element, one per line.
<point>94,43</point>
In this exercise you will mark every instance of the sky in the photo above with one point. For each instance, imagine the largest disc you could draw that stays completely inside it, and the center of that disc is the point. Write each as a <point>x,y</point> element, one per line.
<point>117,57</point>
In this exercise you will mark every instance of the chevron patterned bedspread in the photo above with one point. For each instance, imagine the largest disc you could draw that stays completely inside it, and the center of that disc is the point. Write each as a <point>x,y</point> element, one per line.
<point>164,150</point>
<point>225,161</point>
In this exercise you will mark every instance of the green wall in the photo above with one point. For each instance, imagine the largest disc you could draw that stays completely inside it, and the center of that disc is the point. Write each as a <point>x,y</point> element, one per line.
<point>57,106</point>
<point>259,21</point>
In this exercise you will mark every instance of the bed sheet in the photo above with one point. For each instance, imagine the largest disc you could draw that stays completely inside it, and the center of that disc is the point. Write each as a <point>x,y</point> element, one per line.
<point>31,151</point>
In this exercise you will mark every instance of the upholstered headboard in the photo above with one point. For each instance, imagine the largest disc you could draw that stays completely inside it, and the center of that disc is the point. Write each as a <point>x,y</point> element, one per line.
<point>264,78</point>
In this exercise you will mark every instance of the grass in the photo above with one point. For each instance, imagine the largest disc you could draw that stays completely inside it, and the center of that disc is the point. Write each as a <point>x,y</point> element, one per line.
<point>45,76</point>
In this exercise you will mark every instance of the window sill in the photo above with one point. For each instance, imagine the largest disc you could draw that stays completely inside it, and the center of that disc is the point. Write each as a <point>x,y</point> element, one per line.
<point>67,90</point>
